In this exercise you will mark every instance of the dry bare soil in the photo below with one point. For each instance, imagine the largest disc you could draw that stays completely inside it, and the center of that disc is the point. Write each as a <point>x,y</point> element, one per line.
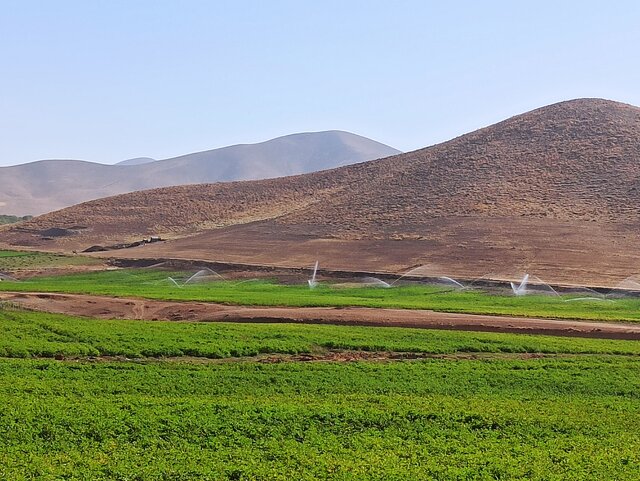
<point>553,192</point>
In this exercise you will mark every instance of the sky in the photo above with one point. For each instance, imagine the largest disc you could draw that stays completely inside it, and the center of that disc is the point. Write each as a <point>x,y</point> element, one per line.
<point>109,80</point>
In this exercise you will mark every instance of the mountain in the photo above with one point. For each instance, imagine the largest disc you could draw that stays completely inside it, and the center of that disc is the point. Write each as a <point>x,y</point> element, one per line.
<point>48,185</point>
<point>554,192</point>
<point>137,161</point>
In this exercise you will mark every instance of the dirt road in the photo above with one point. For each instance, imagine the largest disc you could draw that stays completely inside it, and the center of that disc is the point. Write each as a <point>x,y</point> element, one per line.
<point>128,308</point>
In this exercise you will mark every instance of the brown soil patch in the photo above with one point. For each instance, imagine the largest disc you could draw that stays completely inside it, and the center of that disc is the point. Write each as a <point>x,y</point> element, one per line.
<point>387,356</point>
<point>324,356</point>
<point>468,248</point>
<point>27,273</point>
<point>125,308</point>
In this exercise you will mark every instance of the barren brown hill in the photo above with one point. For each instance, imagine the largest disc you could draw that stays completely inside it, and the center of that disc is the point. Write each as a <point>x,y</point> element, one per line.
<point>553,191</point>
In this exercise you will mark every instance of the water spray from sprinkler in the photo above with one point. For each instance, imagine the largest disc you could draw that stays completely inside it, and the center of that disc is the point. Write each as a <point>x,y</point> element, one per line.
<point>313,283</point>
<point>520,290</point>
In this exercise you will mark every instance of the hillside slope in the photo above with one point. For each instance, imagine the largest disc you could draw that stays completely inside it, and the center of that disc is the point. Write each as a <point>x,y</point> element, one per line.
<point>49,185</point>
<point>553,189</point>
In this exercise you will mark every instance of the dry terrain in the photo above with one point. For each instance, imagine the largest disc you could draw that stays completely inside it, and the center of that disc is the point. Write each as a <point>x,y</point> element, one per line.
<point>48,185</point>
<point>553,192</point>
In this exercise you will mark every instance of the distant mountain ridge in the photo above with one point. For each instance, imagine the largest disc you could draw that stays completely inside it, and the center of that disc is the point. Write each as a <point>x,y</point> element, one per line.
<point>48,185</point>
<point>137,161</point>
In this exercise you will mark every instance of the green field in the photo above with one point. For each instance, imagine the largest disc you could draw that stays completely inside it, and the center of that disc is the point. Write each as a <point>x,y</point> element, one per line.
<point>153,284</point>
<point>33,334</point>
<point>13,253</point>
<point>502,416</point>
<point>89,399</point>
<point>18,260</point>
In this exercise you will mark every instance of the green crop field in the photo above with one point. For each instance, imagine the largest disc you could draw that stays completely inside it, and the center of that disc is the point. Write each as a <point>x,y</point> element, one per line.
<point>154,284</point>
<point>17,260</point>
<point>502,416</point>
<point>13,253</point>
<point>89,399</point>
<point>34,334</point>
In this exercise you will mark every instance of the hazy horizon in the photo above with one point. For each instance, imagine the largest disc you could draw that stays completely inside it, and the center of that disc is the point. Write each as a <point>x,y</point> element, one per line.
<point>119,80</point>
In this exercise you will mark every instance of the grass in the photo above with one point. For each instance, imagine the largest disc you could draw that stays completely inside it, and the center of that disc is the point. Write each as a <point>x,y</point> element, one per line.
<point>18,260</point>
<point>543,419</point>
<point>13,253</point>
<point>33,334</point>
<point>154,285</point>
<point>551,418</point>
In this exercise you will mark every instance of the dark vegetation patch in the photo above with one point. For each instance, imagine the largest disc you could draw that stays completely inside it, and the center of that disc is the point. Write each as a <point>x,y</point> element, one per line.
<point>13,219</point>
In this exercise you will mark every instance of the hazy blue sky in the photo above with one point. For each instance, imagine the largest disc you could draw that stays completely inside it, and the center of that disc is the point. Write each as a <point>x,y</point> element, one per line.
<point>110,80</point>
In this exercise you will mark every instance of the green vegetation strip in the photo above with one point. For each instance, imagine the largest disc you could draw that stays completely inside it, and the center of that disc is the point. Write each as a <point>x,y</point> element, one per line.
<point>12,219</point>
<point>34,334</point>
<point>543,419</point>
<point>4,254</point>
<point>17,260</point>
<point>155,285</point>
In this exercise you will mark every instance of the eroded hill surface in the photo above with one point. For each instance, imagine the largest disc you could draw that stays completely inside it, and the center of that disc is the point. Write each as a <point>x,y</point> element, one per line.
<point>555,189</point>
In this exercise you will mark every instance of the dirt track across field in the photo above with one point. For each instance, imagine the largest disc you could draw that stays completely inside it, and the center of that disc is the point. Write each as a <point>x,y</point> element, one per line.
<point>128,308</point>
